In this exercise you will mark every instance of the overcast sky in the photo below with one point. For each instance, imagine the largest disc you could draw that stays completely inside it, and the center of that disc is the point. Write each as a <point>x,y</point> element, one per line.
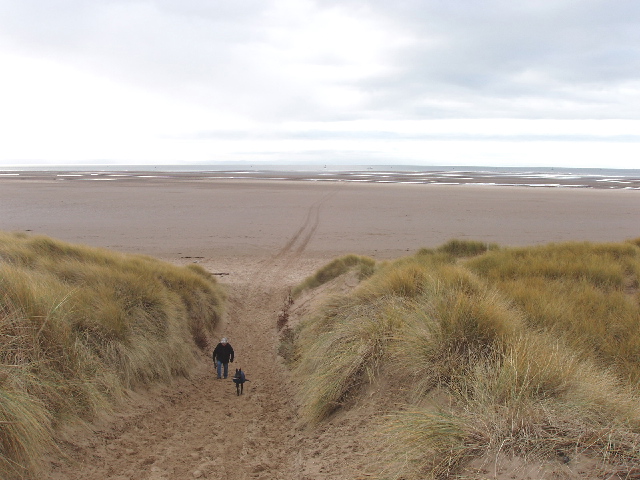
<point>431,82</point>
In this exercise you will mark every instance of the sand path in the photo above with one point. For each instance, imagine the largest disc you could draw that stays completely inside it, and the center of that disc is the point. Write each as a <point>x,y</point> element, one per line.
<point>200,428</point>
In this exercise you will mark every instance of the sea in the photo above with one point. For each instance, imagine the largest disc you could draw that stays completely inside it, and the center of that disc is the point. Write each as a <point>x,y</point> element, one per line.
<point>551,177</point>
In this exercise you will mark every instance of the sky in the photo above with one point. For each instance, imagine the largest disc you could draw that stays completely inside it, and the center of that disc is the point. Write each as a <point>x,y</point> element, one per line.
<point>359,82</point>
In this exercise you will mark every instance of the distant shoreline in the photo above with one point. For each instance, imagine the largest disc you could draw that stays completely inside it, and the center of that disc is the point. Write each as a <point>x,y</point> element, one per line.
<point>183,216</point>
<point>487,176</point>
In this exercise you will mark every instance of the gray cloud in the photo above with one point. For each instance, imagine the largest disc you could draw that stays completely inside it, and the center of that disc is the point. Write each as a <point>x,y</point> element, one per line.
<point>273,63</point>
<point>544,59</point>
<point>384,135</point>
<point>523,59</point>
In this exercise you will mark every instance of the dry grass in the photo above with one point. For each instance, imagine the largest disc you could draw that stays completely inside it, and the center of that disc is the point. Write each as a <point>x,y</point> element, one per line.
<point>579,292</point>
<point>528,351</point>
<point>79,326</point>
<point>338,361</point>
<point>364,265</point>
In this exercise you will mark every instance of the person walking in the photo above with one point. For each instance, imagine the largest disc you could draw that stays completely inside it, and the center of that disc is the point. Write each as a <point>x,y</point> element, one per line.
<point>222,356</point>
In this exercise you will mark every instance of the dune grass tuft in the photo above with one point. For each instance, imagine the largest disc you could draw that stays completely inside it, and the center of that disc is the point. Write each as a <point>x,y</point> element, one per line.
<point>339,359</point>
<point>364,266</point>
<point>460,248</point>
<point>525,351</point>
<point>79,326</point>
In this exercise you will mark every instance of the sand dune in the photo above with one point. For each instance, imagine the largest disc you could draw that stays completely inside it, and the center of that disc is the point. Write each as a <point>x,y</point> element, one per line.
<point>267,236</point>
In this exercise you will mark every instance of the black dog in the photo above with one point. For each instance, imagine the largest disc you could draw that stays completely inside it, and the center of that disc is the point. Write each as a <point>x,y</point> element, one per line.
<point>239,378</point>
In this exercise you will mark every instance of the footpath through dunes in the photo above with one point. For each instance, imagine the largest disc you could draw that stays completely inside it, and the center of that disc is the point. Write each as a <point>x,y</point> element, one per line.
<point>199,427</point>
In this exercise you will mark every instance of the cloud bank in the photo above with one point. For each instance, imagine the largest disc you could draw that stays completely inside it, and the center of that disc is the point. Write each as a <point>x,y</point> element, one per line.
<point>553,83</point>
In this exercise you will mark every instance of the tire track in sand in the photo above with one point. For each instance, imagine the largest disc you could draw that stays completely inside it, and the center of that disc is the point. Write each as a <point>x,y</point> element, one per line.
<point>305,233</point>
<point>199,427</point>
<point>270,444</point>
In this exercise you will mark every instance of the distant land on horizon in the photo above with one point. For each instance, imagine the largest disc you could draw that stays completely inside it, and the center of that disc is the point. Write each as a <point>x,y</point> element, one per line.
<point>560,177</point>
<point>288,167</point>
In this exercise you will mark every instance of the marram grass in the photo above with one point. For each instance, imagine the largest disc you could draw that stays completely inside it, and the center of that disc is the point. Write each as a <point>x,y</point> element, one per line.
<point>339,266</point>
<point>523,351</point>
<point>585,293</point>
<point>339,361</point>
<point>79,326</point>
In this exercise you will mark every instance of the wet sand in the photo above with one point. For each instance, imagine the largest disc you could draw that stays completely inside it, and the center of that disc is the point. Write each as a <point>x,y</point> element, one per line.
<point>196,218</point>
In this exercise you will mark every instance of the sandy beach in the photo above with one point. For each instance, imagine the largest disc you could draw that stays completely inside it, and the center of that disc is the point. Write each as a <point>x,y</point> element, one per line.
<point>213,219</point>
<point>265,236</point>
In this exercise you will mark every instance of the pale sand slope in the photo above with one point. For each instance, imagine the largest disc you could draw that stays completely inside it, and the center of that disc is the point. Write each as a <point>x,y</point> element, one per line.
<point>268,236</point>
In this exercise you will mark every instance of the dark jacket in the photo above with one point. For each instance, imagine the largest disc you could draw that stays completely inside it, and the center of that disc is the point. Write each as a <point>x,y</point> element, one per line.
<point>223,353</point>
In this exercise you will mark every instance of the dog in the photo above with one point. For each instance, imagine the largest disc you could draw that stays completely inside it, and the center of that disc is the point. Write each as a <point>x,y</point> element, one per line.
<point>239,378</point>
